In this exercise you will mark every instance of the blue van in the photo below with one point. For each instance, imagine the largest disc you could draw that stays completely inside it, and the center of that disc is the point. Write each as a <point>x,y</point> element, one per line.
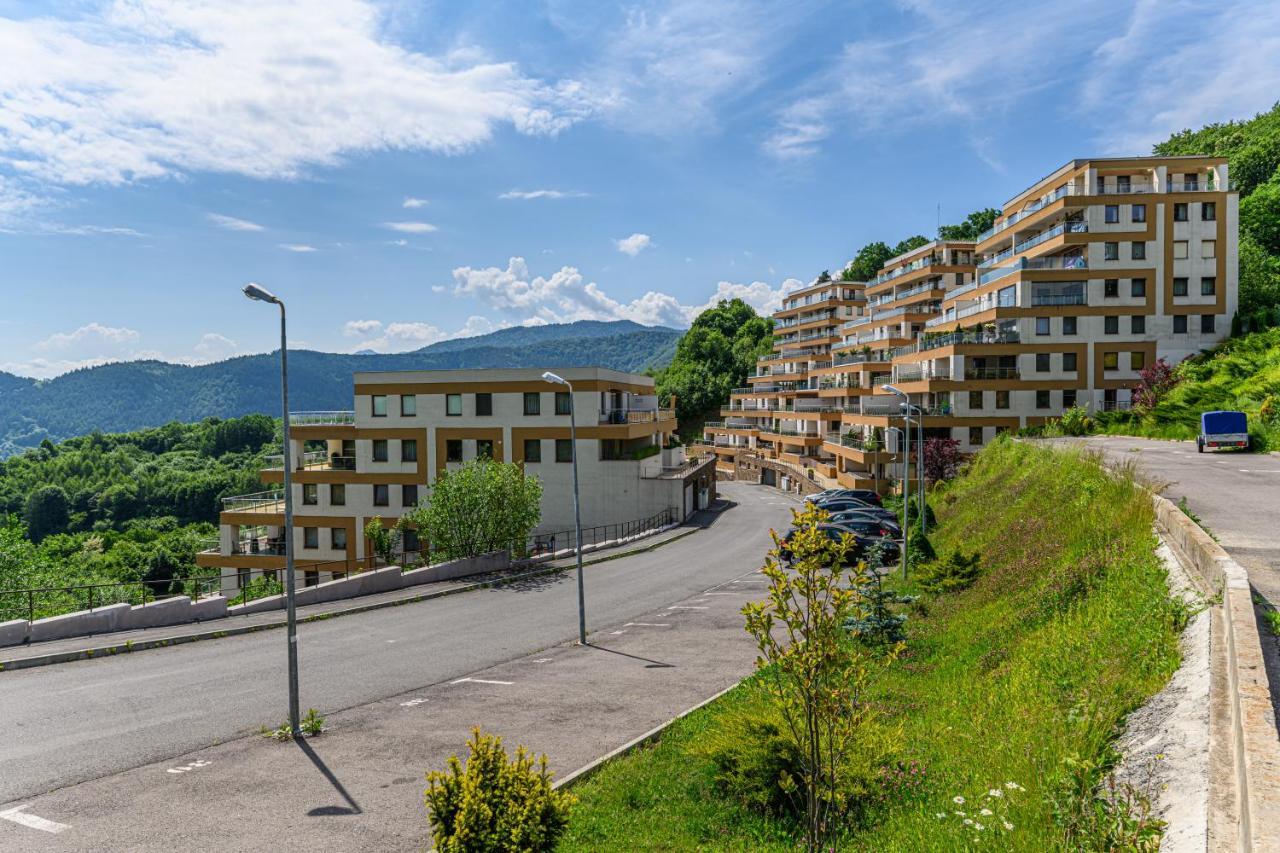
<point>1222,429</point>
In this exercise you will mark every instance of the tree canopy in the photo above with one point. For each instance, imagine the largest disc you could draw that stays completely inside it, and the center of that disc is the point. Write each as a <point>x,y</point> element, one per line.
<point>973,225</point>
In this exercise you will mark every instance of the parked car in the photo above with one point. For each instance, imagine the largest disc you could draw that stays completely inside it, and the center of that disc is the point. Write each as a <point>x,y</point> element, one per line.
<point>866,495</point>
<point>1223,429</point>
<point>834,505</point>
<point>887,524</point>
<point>833,532</point>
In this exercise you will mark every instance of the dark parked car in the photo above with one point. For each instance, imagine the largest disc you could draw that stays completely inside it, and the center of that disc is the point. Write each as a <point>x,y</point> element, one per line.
<point>834,505</point>
<point>876,525</point>
<point>865,495</point>
<point>834,532</point>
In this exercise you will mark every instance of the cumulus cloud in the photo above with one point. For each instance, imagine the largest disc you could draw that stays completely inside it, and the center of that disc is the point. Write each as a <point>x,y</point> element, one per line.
<point>232,223</point>
<point>213,347</point>
<point>633,245</point>
<point>530,195</point>
<point>95,332</point>
<point>361,328</point>
<point>414,203</point>
<point>400,336</point>
<point>145,89</point>
<point>296,247</point>
<point>95,343</point>
<point>410,227</point>
<point>565,296</point>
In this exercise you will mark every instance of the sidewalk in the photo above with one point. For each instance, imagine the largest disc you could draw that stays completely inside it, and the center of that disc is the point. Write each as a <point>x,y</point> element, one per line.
<point>125,642</point>
<point>359,786</point>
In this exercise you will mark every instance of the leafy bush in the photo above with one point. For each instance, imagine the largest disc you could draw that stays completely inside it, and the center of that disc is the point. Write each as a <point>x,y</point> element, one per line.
<point>494,803</point>
<point>1098,812</point>
<point>954,572</point>
<point>481,507</point>
<point>259,587</point>
<point>1076,421</point>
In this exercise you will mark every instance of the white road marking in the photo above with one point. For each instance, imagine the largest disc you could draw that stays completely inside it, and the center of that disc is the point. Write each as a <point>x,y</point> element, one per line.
<point>687,607</point>
<point>616,633</point>
<point>722,593</point>
<point>481,681</point>
<point>542,660</point>
<point>648,625</point>
<point>16,815</point>
<point>186,768</point>
<point>411,703</point>
<point>1260,470</point>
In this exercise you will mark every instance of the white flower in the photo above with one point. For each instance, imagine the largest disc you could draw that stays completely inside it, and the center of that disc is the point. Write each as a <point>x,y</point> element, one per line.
<point>959,801</point>
<point>1013,786</point>
<point>968,821</point>
<point>995,792</point>
<point>961,814</point>
<point>986,812</point>
<point>941,815</point>
<point>1008,825</point>
<point>979,827</point>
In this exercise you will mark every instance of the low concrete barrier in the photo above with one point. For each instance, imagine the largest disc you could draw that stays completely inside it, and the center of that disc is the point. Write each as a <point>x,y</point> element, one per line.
<point>97,621</point>
<point>166,611</point>
<point>12,633</point>
<point>209,608</point>
<point>1244,746</point>
<point>269,602</point>
<point>494,561</point>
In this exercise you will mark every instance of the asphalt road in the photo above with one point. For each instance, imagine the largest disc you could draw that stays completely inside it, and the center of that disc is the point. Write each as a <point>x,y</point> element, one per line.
<point>1236,495</point>
<point>84,720</point>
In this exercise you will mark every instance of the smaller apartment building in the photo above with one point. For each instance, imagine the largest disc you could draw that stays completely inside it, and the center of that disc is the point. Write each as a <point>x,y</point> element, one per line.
<point>380,458</point>
<point>1087,277</point>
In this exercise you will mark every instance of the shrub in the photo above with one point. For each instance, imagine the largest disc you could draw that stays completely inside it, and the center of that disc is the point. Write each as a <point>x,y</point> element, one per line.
<point>495,804</point>
<point>954,572</point>
<point>878,624</point>
<point>1076,421</point>
<point>1097,812</point>
<point>481,507</point>
<point>259,587</point>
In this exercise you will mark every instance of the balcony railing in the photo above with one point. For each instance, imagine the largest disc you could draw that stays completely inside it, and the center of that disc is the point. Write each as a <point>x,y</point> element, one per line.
<point>635,416</point>
<point>1035,207</point>
<point>1052,299</point>
<point>1196,187</point>
<point>1007,336</point>
<point>855,441</point>
<point>991,373</point>
<point>1118,189</point>
<point>1055,262</point>
<point>844,358</point>
<point>920,374</point>
<point>918,263</point>
<point>322,418</point>
<point>254,501</point>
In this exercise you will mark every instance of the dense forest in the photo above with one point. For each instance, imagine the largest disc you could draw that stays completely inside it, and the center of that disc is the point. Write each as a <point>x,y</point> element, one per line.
<point>133,395</point>
<point>121,508</point>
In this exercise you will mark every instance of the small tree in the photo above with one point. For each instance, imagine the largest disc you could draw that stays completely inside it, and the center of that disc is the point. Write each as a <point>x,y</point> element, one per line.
<point>816,676</point>
<point>383,539</point>
<point>1154,381</point>
<point>942,458</point>
<point>481,507</point>
<point>47,512</point>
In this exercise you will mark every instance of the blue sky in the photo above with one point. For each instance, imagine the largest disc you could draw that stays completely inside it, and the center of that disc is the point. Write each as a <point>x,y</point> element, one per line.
<point>405,172</point>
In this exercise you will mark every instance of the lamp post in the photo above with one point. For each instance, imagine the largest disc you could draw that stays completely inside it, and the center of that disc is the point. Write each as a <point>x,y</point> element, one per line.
<point>919,463</point>
<point>906,473</point>
<point>577,512</point>
<point>261,294</point>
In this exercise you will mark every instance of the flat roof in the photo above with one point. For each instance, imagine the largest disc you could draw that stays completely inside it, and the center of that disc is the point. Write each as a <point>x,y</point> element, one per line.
<point>1080,161</point>
<point>499,374</point>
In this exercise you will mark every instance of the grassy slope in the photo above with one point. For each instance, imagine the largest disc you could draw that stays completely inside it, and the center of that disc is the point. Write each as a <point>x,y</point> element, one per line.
<point>1238,375</point>
<point>1067,631</point>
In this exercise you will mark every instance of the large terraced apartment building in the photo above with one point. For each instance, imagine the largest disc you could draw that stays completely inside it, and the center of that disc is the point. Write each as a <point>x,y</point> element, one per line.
<point>380,458</point>
<point>1087,276</point>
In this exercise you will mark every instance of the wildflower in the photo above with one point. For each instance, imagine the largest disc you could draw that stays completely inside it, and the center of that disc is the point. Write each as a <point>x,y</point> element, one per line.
<point>1013,786</point>
<point>986,813</point>
<point>995,792</point>
<point>979,827</point>
<point>968,821</point>
<point>961,814</point>
<point>959,801</point>
<point>941,815</point>
<point>1008,825</point>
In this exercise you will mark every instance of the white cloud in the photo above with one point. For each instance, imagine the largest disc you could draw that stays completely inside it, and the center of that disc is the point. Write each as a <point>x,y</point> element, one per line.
<point>360,328</point>
<point>403,336</point>
<point>400,243</point>
<point>410,227</point>
<point>414,203</point>
<point>92,332</point>
<point>565,296</point>
<point>231,223</point>
<point>633,245</point>
<point>438,288</point>
<point>296,247</point>
<point>143,89</point>
<point>529,195</point>
<point>214,347</point>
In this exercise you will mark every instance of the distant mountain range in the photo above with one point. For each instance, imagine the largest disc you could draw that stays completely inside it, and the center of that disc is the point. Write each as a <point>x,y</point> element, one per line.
<point>132,395</point>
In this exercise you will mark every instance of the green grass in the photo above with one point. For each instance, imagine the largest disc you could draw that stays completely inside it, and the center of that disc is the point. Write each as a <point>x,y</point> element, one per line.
<point>1238,375</point>
<point>1068,630</point>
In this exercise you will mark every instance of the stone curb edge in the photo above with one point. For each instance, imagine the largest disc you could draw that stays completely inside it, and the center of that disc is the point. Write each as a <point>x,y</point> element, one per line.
<point>129,647</point>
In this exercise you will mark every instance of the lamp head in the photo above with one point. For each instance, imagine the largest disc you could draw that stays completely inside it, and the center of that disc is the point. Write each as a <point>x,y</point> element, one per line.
<point>551,377</point>
<point>891,390</point>
<point>255,291</point>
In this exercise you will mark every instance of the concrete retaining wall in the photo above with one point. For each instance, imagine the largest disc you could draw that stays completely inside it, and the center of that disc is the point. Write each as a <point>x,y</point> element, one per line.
<point>209,608</point>
<point>467,566</point>
<point>13,633</point>
<point>97,621</point>
<point>1244,746</point>
<point>166,611</point>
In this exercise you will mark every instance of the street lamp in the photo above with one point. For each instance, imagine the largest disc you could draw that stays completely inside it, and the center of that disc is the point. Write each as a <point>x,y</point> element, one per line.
<point>577,513</point>
<point>261,294</point>
<point>906,474</point>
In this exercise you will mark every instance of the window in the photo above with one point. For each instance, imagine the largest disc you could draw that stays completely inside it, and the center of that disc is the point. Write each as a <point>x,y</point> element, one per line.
<point>1002,399</point>
<point>1180,324</point>
<point>310,494</point>
<point>1208,248</point>
<point>337,495</point>
<point>1137,325</point>
<point>1111,325</point>
<point>1068,362</point>
<point>381,495</point>
<point>1180,211</point>
<point>408,496</point>
<point>1110,251</point>
<point>408,450</point>
<point>453,450</point>
<point>338,538</point>
<point>1043,399</point>
<point>1111,361</point>
<point>1138,287</point>
<point>975,399</point>
<point>408,405</point>
<point>1112,213</point>
<point>379,450</point>
<point>311,537</point>
<point>1122,183</point>
<point>532,403</point>
<point>1042,362</point>
<point>1180,286</point>
<point>563,403</point>
<point>379,405</point>
<point>564,450</point>
<point>1138,252</point>
<point>975,435</point>
<point>1069,398</point>
<point>1179,250</point>
<point>1206,324</point>
<point>1208,211</point>
<point>1102,185</point>
<point>1137,360</point>
<point>1042,325</point>
<point>1111,288</point>
<point>533,450</point>
<point>1208,285</point>
<point>409,542</point>
<point>484,448</point>
<point>1068,325</point>
<point>484,405</point>
<point>1138,213</point>
<point>453,405</point>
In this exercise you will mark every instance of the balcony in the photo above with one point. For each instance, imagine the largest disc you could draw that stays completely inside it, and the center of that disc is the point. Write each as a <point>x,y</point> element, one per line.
<point>266,502</point>
<point>635,416</point>
<point>269,546</point>
<point>322,418</point>
<point>1045,295</point>
<point>1196,187</point>
<point>842,359</point>
<point>918,263</point>
<point>1055,262</point>
<point>1040,204</point>
<point>979,373</point>
<point>1006,336</point>
<point>1123,189</point>
<point>906,373</point>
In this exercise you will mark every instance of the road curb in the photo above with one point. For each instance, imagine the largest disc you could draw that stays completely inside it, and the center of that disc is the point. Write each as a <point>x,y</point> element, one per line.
<point>128,647</point>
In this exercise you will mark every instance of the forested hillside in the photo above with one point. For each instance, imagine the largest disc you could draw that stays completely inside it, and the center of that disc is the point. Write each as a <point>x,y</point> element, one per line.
<point>133,395</point>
